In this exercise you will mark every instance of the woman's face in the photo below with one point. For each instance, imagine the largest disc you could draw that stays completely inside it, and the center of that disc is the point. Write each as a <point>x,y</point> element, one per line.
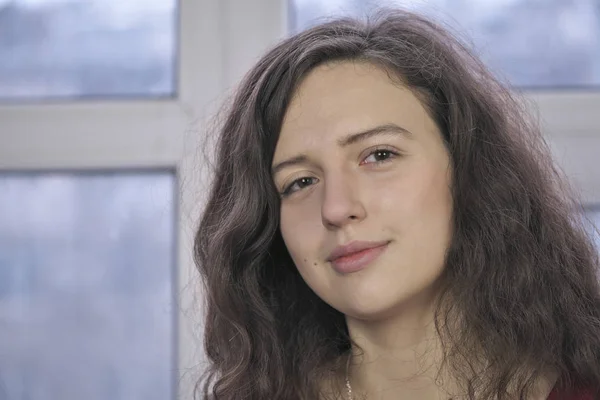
<point>363,165</point>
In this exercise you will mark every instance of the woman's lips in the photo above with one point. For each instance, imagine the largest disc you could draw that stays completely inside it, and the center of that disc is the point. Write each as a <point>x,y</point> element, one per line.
<point>357,261</point>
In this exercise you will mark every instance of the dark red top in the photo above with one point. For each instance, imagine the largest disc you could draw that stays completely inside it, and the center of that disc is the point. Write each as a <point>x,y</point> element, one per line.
<point>581,394</point>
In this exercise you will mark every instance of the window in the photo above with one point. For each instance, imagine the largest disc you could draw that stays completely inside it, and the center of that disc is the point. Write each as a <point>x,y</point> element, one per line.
<point>550,44</point>
<point>95,48</point>
<point>136,140</point>
<point>86,285</point>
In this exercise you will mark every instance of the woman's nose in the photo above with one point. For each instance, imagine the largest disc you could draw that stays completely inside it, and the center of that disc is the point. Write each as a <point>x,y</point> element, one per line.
<point>341,202</point>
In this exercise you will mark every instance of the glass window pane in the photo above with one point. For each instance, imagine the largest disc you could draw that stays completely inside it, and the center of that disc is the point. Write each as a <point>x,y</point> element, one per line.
<point>87,48</point>
<point>86,286</point>
<point>531,43</point>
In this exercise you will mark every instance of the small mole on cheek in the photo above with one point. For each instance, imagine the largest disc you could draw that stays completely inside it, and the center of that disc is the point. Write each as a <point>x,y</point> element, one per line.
<point>305,260</point>
<point>315,264</point>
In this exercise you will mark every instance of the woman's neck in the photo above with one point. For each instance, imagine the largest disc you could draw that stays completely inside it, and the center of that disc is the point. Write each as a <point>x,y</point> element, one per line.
<point>398,358</point>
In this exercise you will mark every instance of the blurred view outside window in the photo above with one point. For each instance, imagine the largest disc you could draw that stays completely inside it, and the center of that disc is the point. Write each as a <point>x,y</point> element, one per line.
<point>529,43</point>
<point>87,276</point>
<point>87,48</point>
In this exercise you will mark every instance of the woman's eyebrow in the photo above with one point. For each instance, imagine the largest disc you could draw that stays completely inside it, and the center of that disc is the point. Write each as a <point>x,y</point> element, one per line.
<point>385,129</point>
<point>297,160</point>
<point>378,130</point>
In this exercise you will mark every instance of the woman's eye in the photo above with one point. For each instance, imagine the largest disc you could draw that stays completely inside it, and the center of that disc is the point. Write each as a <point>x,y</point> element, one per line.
<point>379,156</point>
<point>297,185</point>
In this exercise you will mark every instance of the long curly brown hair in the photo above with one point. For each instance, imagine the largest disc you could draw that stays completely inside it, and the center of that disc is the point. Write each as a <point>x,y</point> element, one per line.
<point>521,270</point>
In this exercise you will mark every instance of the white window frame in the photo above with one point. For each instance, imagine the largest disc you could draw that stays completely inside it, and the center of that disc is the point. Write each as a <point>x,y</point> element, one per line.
<point>219,40</point>
<point>570,120</point>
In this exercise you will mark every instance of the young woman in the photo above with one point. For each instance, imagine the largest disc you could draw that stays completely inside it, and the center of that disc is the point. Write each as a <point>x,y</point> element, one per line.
<point>385,222</point>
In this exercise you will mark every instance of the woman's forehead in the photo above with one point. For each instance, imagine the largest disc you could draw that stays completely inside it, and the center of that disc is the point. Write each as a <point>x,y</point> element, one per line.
<point>336,100</point>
